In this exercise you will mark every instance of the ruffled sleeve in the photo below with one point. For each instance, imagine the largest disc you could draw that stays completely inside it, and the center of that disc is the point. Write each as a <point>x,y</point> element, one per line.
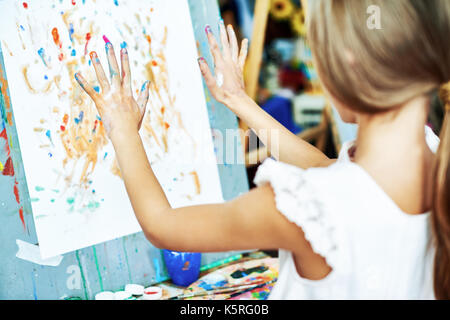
<point>297,199</point>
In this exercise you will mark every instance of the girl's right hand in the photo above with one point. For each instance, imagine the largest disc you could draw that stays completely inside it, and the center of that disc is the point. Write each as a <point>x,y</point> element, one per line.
<point>228,83</point>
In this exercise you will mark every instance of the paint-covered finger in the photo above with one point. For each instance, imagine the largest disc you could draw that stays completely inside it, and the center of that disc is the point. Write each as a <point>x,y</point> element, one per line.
<point>112,61</point>
<point>144,96</point>
<point>86,86</point>
<point>210,81</point>
<point>224,40</point>
<point>214,47</point>
<point>101,76</point>
<point>234,48</point>
<point>243,54</point>
<point>126,73</point>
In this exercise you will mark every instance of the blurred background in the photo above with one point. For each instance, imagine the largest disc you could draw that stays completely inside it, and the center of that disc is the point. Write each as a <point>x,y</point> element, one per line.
<point>280,76</point>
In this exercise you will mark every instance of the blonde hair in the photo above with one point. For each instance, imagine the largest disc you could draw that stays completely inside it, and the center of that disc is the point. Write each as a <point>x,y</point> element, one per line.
<point>372,70</point>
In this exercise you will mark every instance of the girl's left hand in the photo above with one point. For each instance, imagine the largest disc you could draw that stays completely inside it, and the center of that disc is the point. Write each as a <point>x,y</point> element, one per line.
<point>121,114</point>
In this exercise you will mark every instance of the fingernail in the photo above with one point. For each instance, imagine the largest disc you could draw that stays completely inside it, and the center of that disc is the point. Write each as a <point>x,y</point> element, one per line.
<point>201,60</point>
<point>208,29</point>
<point>105,38</point>
<point>93,55</point>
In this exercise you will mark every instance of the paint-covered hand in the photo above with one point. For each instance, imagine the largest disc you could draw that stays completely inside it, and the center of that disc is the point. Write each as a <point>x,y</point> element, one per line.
<point>228,83</point>
<point>119,111</point>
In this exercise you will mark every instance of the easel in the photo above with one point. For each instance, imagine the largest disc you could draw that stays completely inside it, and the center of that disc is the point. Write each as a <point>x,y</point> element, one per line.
<point>319,134</point>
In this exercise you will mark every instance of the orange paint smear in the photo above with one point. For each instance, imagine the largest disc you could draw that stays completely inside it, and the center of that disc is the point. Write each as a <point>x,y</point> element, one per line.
<point>194,175</point>
<point>56,39</point>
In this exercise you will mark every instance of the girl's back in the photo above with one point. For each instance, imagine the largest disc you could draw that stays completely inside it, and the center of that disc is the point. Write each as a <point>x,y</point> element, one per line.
<point>376,250</point>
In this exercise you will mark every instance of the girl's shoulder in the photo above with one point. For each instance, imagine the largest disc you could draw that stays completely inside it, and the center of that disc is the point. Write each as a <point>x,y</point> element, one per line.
<point>312,199</point>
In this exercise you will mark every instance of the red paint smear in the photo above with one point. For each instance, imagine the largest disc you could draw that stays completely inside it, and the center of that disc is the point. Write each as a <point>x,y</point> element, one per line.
<point>8,170</point>
<point>154,63</point>
<point>74,2</point>
<point>61,57</point>
<point>88,37</point>
<point>55,35</point>
<point>63,128</point>
<point>16,193</point>
<point>25,5</point>
<point>4,136</point>
<point>22,218</point>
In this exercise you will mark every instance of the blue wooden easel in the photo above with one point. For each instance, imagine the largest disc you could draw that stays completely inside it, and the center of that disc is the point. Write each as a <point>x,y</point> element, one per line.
<point>110,265</point>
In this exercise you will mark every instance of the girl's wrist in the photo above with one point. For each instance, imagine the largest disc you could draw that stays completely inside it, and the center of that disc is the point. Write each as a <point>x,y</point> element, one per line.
<point>235,102</point>
<point>123,135</point>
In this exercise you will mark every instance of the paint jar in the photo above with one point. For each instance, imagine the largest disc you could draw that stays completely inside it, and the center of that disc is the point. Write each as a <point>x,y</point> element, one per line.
<point>105,295</point>
<point>123,295</point>
<point>183,267</point>
<point>134,289</point>
<point>152,293</point>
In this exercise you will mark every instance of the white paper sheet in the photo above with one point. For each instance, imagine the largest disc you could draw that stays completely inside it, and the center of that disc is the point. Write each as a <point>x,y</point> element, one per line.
<point>32,253</point>
<point>77,197</point>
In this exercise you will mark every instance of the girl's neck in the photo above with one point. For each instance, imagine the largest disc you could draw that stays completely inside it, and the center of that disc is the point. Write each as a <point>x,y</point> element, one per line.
<point>392,147</point>
<point>393,131</point>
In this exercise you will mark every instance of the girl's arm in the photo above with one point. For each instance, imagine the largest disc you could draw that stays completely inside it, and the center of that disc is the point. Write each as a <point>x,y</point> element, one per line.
<point>229,90</point>
<point>251,221</point>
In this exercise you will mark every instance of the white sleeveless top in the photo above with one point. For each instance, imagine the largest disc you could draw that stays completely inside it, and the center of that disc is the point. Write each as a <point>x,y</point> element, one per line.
<point>376,250</point>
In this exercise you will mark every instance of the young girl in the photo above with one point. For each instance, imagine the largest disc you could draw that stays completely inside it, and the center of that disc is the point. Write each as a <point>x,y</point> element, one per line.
<point>349,229</point>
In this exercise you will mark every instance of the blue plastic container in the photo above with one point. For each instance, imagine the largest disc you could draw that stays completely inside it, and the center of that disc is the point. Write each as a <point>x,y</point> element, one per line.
<point>183,267</point>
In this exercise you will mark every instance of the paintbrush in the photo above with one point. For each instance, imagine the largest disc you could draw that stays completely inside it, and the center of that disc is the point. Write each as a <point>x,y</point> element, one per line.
<point>225,289</point>
<point>250,289</point>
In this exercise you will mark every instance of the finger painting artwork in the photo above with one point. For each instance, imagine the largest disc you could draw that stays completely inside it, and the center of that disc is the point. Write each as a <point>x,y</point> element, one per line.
<point>77,194</point>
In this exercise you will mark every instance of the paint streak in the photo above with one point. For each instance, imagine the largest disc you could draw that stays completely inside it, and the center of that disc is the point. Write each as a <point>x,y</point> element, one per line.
<point>56,38</point>
<point>100,280</point>
<point>71,32</point>
<point>82,274</point>
<point>41,53</point>
<point>88,38</point>
<point>25,5</point>
<point>16,194</point>
<point>194,175</point>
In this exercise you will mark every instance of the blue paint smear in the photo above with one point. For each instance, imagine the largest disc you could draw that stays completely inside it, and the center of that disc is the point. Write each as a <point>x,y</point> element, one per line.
<point>80,117</point>
<point>97,89</point>
<point>106,154</point>
<point>71,31</point>
<point>74,53</point>
<point>41,53</point>
<point>116,2</point>
<point>49,136</point>
<point>123,45</point>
